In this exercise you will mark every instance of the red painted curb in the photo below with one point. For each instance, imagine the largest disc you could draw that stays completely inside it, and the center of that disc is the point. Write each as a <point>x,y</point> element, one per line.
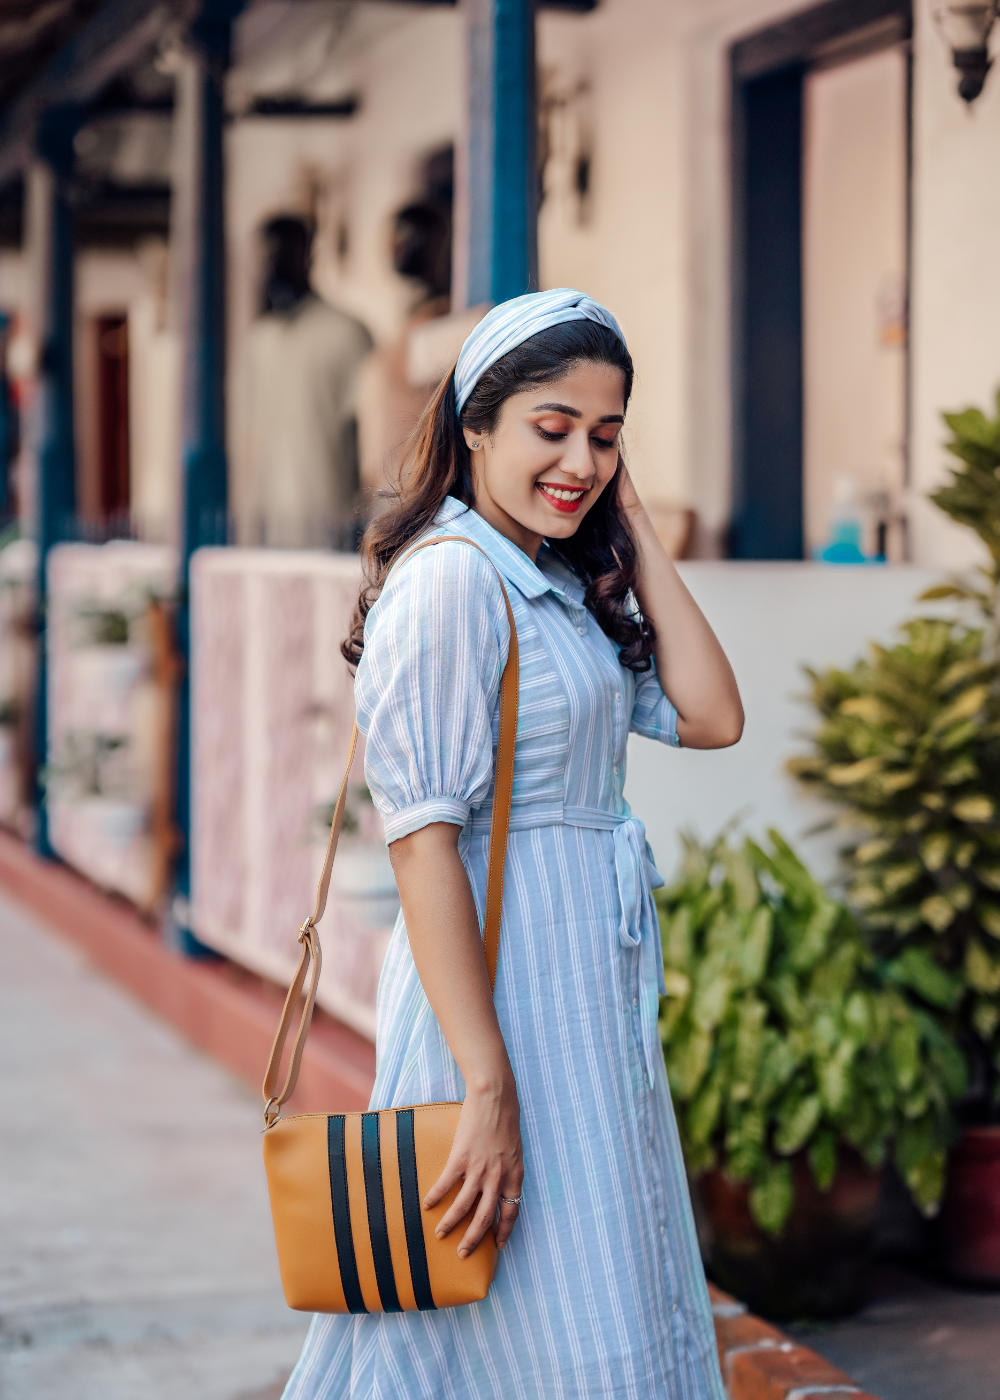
<point>230,1014</point>
<point>760,1363</point>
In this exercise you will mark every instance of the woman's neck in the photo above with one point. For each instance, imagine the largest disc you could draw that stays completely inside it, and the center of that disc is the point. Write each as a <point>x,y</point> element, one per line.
<point>526,540</point>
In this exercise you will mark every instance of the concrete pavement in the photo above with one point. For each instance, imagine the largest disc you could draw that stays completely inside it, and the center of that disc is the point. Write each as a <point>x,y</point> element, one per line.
<point>137,1260</point>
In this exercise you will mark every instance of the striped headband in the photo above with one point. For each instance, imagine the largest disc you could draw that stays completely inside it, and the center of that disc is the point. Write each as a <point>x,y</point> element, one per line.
<point>513,322</point>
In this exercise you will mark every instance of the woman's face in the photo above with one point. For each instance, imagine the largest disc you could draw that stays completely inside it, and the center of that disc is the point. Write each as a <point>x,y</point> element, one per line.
<point>551,454</point>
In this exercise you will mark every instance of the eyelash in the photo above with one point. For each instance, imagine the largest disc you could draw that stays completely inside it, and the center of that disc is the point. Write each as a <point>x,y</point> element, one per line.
<point>559,437</point>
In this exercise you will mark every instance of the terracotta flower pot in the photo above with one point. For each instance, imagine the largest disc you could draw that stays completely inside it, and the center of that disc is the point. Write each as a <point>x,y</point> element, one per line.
<point>970,1218</point>
<point>817,1266</point>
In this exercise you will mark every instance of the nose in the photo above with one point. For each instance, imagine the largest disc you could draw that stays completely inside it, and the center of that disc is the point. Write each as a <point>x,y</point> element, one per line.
<point>578,460</point>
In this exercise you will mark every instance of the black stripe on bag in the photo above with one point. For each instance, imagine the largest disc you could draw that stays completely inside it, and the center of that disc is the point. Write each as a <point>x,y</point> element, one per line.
<point>378,1231</point>
<point>410,1191</point>
<point>337,1157</point>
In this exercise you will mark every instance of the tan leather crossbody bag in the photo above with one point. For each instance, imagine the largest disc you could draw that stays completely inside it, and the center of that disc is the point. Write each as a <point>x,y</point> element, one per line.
<point>346,1188</point>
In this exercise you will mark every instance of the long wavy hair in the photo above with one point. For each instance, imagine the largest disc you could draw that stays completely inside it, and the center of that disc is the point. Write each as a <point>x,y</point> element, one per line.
<point>438,463</point>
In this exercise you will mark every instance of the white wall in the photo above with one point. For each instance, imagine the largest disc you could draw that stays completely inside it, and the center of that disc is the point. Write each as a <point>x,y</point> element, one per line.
<point>772,619</point>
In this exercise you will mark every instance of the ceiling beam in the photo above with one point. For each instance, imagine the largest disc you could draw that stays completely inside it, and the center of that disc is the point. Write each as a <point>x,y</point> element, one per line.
<point>119,35</point>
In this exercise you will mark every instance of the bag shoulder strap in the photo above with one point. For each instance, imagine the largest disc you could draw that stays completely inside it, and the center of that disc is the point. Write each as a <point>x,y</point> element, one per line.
<point>503,786</point>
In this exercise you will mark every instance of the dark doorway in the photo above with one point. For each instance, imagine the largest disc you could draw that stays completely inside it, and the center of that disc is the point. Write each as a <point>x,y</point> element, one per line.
<point>113,424</point>
<point>769,73</point>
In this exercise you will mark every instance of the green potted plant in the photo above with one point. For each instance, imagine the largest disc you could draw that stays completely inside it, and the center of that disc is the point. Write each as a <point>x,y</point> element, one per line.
<point>909,748</point>
<point>796,1065</point>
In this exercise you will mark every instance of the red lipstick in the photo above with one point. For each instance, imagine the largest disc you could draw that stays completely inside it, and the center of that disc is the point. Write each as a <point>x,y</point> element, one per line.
<point>568,502</point>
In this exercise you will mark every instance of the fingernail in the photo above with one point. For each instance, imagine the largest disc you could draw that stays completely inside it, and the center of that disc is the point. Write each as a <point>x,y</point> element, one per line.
<point>463,1254</point>
<point>501,1244</point>
<point>439,1234</point>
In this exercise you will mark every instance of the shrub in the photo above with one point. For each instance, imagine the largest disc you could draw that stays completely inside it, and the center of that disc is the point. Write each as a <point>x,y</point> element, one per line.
<point>782,1033</point>
<point>909,746</point>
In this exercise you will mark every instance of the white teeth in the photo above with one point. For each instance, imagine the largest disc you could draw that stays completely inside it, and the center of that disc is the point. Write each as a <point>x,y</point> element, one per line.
<point>561,495</point>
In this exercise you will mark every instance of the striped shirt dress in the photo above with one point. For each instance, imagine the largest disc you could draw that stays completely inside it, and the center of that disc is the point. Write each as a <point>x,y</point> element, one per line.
<point>600,1291</point>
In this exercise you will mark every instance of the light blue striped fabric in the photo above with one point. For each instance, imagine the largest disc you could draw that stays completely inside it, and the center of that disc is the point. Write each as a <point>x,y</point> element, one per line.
<point>515,321</point>
<point>600,1292</point>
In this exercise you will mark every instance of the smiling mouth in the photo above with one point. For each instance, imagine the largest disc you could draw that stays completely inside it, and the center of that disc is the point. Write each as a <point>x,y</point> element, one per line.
<point>564,498</point>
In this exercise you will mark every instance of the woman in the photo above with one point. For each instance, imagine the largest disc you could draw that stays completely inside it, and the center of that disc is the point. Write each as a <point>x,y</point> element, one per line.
<point>566,1137</point>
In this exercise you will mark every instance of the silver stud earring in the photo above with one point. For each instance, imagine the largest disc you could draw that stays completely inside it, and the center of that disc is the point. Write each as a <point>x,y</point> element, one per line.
<point>475,447</point>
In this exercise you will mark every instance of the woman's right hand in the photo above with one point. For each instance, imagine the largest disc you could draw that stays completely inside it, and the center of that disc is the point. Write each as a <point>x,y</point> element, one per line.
<point>486,1157</point>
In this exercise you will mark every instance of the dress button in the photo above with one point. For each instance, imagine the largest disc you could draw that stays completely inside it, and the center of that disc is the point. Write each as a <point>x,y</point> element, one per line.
<point>582,631</point>
<point>635,1001</point>
<point>615,771</point>
<point>675,1307</point>
<point>663,1230</point>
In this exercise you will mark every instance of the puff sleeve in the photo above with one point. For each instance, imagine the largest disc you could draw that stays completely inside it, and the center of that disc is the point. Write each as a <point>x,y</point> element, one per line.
<point>653,716</point>
<point>427,687</point>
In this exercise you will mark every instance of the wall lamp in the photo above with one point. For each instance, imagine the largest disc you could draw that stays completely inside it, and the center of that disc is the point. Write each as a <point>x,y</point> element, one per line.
<point>965,27</point>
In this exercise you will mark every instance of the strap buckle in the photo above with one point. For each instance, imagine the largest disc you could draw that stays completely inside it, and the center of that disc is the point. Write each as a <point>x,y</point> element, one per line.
<point>272,1112</point>
<point>306,930</point>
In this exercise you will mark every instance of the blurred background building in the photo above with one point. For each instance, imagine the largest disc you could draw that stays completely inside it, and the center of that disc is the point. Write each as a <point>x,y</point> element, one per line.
<point>239,243</point>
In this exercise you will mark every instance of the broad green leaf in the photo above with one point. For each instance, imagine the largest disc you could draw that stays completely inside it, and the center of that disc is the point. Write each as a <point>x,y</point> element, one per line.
<point>703,1115</point>
<point>811,943</point>
<point>687,1060</point>
<point>742,878</point>
<point>796,1121</point>
<point>898,877</point>
<point>756,946</point>
<point>711,996</point>
<point>858,1019</point>
<point>745,1144</point>
<point>938,912</point>
<point>926,1182</point>
<point>916,969</point>
<point>977,808</point>
<point>904,1044</point>
<point>676,983</point>
<point>865,707</point>
<point>982,970</point>
<point>749,1048</point>
<point>934,849</point>
<point>986,1018</point>
<point>969,703</point>
<point>988,916</point>
<point>779,1061</point>
<point>990,875</point>
<point>823,1159</point>
<point>834,1077</point>
<point>846,774</point>
<point>677,939</point>
<point>771,1197</point>
<point>873,850</point>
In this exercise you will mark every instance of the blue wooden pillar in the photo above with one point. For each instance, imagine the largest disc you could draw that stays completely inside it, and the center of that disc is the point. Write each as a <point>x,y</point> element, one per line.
<point>204,490</point>
<point>499,205</point>
<point>56,483</point>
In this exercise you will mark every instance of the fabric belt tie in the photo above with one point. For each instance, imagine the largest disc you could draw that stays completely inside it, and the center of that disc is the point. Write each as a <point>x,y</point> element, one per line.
<point>636,875</point>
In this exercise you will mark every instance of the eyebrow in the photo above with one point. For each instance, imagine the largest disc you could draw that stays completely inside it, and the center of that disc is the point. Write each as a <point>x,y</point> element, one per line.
<point>575,412</point>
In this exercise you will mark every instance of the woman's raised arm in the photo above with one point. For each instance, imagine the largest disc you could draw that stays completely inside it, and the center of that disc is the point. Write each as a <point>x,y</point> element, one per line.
<point>692,667</point>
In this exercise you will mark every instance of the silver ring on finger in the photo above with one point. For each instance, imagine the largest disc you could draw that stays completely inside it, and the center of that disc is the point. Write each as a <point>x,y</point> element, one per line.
<point>512,1200</point>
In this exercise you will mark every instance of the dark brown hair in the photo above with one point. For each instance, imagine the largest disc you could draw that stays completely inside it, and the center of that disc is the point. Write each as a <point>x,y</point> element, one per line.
<point>438,463</point>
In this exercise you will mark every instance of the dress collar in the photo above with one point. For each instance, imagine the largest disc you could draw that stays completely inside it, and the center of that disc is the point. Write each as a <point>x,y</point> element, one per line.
<point>513,563</point>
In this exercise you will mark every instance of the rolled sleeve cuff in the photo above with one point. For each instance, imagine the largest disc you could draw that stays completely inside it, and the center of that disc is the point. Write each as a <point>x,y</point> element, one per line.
<point>669,733</point>
<point>658,722</point>
<point>432,809</point>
